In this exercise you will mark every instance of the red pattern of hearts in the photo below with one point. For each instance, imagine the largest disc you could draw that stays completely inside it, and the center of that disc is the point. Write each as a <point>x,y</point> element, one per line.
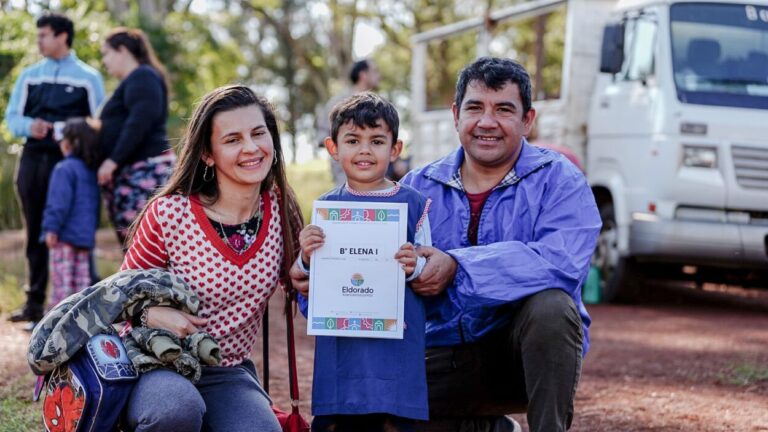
<point>233,299</point>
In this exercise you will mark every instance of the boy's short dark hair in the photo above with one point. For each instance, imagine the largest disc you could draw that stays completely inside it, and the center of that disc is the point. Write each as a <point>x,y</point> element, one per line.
<point>495,73</point>
<point>58,23</point>
<point>364,110</point>
<point>357,68</point>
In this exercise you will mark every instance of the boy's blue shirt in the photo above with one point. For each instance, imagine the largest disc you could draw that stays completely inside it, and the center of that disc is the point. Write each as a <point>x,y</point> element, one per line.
<point>72,204</point>
<point>366,375</point>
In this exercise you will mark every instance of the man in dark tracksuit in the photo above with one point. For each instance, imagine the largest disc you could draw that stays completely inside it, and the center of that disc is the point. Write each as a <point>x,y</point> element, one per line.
<point>54,89</point>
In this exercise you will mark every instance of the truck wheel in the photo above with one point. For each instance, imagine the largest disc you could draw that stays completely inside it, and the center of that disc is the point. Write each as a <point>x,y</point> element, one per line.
<point>618,279</point>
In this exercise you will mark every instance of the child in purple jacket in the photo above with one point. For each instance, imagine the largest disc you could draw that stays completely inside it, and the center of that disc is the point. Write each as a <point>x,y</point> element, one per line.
<point>71,213</point>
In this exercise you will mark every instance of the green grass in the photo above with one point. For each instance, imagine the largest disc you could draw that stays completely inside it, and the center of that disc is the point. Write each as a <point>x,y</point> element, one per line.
<point>107,267</point>
<point>17,411</point>
<point>746,373</point>
<point>309,181</point>
<point>12,277</point>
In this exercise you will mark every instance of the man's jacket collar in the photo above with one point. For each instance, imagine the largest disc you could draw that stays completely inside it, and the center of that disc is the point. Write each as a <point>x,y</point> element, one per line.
<point>530,160</point>
<point>69,58</point>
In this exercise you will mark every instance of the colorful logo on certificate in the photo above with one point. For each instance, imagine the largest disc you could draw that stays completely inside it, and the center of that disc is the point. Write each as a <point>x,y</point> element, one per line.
<point>357,279</point>
<point>358,215</point>
<point>354,324</point>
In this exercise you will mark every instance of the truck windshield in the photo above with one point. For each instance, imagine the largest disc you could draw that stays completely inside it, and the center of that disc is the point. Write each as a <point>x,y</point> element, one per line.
<point>720,54</point>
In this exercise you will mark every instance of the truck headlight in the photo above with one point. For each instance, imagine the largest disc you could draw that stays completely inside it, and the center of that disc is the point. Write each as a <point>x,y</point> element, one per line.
<point>699,157</point>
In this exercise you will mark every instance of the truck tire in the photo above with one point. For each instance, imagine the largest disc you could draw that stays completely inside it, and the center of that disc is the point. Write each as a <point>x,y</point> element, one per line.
<point>619,278</point>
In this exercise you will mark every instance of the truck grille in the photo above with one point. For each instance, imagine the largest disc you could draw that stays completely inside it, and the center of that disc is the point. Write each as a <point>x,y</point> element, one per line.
<point>751,166</point>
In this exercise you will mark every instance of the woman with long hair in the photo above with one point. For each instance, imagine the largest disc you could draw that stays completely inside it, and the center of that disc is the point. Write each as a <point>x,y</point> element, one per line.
<point>227,222</point>
<point>137,158</point>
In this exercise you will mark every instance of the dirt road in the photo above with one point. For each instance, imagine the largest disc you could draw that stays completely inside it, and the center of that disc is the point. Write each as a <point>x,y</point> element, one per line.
<point>670,368</point>
<point>651,368</point>
<point>674,362</point>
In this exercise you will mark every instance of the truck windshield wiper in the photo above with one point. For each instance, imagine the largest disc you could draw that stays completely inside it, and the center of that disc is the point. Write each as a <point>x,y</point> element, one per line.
<point>739,81</point>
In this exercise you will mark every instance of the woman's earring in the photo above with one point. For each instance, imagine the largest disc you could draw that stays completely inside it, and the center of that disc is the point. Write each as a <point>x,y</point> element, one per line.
<point>205,173</point>
<point>274,160</point>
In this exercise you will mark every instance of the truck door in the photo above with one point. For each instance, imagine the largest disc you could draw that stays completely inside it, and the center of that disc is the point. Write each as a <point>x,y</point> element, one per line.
<point>623,114</point>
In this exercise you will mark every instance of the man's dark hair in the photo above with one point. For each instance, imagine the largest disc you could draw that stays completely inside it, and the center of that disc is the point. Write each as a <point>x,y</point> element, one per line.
<point>357,68</point>
<point>495,73</point>
<point>364,110</point>
<point>58,23</point>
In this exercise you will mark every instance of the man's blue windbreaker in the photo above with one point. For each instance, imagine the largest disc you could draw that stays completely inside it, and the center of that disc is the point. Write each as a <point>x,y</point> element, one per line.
<point>538,230</point>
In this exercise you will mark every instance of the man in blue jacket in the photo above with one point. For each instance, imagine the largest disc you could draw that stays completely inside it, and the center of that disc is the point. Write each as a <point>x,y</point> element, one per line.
<point>54,89</point>
<point>513,229</point>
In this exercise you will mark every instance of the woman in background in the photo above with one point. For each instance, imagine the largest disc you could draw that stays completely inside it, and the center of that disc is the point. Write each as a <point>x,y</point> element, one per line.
<point>137,157</point>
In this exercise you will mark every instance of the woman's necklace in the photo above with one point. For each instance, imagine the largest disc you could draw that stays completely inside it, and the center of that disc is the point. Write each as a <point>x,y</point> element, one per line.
<point>243,227</point>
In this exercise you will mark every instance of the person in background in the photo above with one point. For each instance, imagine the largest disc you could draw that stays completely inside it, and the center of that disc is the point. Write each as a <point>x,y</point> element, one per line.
<point>71,213</point>
<point>54,89</point>
<point>364,76</point>
<point>514,228</point>
<point>137,157</point>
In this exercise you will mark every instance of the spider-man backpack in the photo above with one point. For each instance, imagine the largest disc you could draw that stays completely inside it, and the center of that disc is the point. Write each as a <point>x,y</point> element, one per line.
<point>88,392</point>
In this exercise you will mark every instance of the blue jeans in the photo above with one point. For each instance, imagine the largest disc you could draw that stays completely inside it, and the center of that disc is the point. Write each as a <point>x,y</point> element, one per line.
<point>225,399</point>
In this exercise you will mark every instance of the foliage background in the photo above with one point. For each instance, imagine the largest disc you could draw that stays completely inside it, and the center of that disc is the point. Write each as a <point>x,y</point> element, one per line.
<point>296,52</point>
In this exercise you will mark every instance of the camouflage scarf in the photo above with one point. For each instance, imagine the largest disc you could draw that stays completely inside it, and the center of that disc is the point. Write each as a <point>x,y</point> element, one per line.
<point>69,325</point>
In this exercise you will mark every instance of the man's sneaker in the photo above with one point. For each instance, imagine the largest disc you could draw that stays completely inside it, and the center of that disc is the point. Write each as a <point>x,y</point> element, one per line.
<point>30,326</point>
<point>25,314</point>
<point>507,424</point>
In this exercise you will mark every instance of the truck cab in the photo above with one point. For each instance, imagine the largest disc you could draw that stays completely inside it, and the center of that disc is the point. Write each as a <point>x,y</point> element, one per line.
<point>669,112</point>
<point>677,138</point>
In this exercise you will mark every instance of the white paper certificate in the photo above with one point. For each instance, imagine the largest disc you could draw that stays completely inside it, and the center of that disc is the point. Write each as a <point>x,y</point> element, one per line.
<point>356,287</point>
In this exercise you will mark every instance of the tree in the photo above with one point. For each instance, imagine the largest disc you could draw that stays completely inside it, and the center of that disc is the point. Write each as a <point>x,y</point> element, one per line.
<point>197,60</point>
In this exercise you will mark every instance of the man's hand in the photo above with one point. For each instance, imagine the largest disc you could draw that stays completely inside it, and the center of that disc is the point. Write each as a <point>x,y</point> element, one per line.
<point>106,172</point>
<point>438,273</point>
<point>40,128</point>
<point>51,239</point>
<point>175,321</point>
<point>299,279</point>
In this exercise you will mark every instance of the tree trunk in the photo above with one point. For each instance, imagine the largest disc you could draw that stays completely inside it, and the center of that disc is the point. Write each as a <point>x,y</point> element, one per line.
<point>538,79</point>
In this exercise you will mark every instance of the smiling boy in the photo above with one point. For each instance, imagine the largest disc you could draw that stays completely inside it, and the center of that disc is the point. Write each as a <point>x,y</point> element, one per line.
<point>386,389</point>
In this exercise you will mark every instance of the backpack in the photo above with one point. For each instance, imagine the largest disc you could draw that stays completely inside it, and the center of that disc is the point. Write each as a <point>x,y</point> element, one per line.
<point>88,392</point>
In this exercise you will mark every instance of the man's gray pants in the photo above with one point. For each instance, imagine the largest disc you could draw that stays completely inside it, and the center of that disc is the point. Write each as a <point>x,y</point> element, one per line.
<point>532,365</point>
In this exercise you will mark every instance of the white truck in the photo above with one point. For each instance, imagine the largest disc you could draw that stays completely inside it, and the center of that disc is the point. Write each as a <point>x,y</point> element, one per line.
<point>666,101</point>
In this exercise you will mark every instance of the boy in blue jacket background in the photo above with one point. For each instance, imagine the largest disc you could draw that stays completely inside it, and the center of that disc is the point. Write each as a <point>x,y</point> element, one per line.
<point>71,214</point>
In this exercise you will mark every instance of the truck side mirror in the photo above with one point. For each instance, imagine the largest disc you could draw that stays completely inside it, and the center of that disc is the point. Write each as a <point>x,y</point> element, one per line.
<point>612,52</point>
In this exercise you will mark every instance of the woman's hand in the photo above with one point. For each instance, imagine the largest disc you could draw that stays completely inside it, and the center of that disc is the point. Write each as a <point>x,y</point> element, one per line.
<point>51,239</point>
<point>106,172</point>
<point>311,238</point>
<point>175,321</point>
<point>299,280</point>
<point>406,256</point>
